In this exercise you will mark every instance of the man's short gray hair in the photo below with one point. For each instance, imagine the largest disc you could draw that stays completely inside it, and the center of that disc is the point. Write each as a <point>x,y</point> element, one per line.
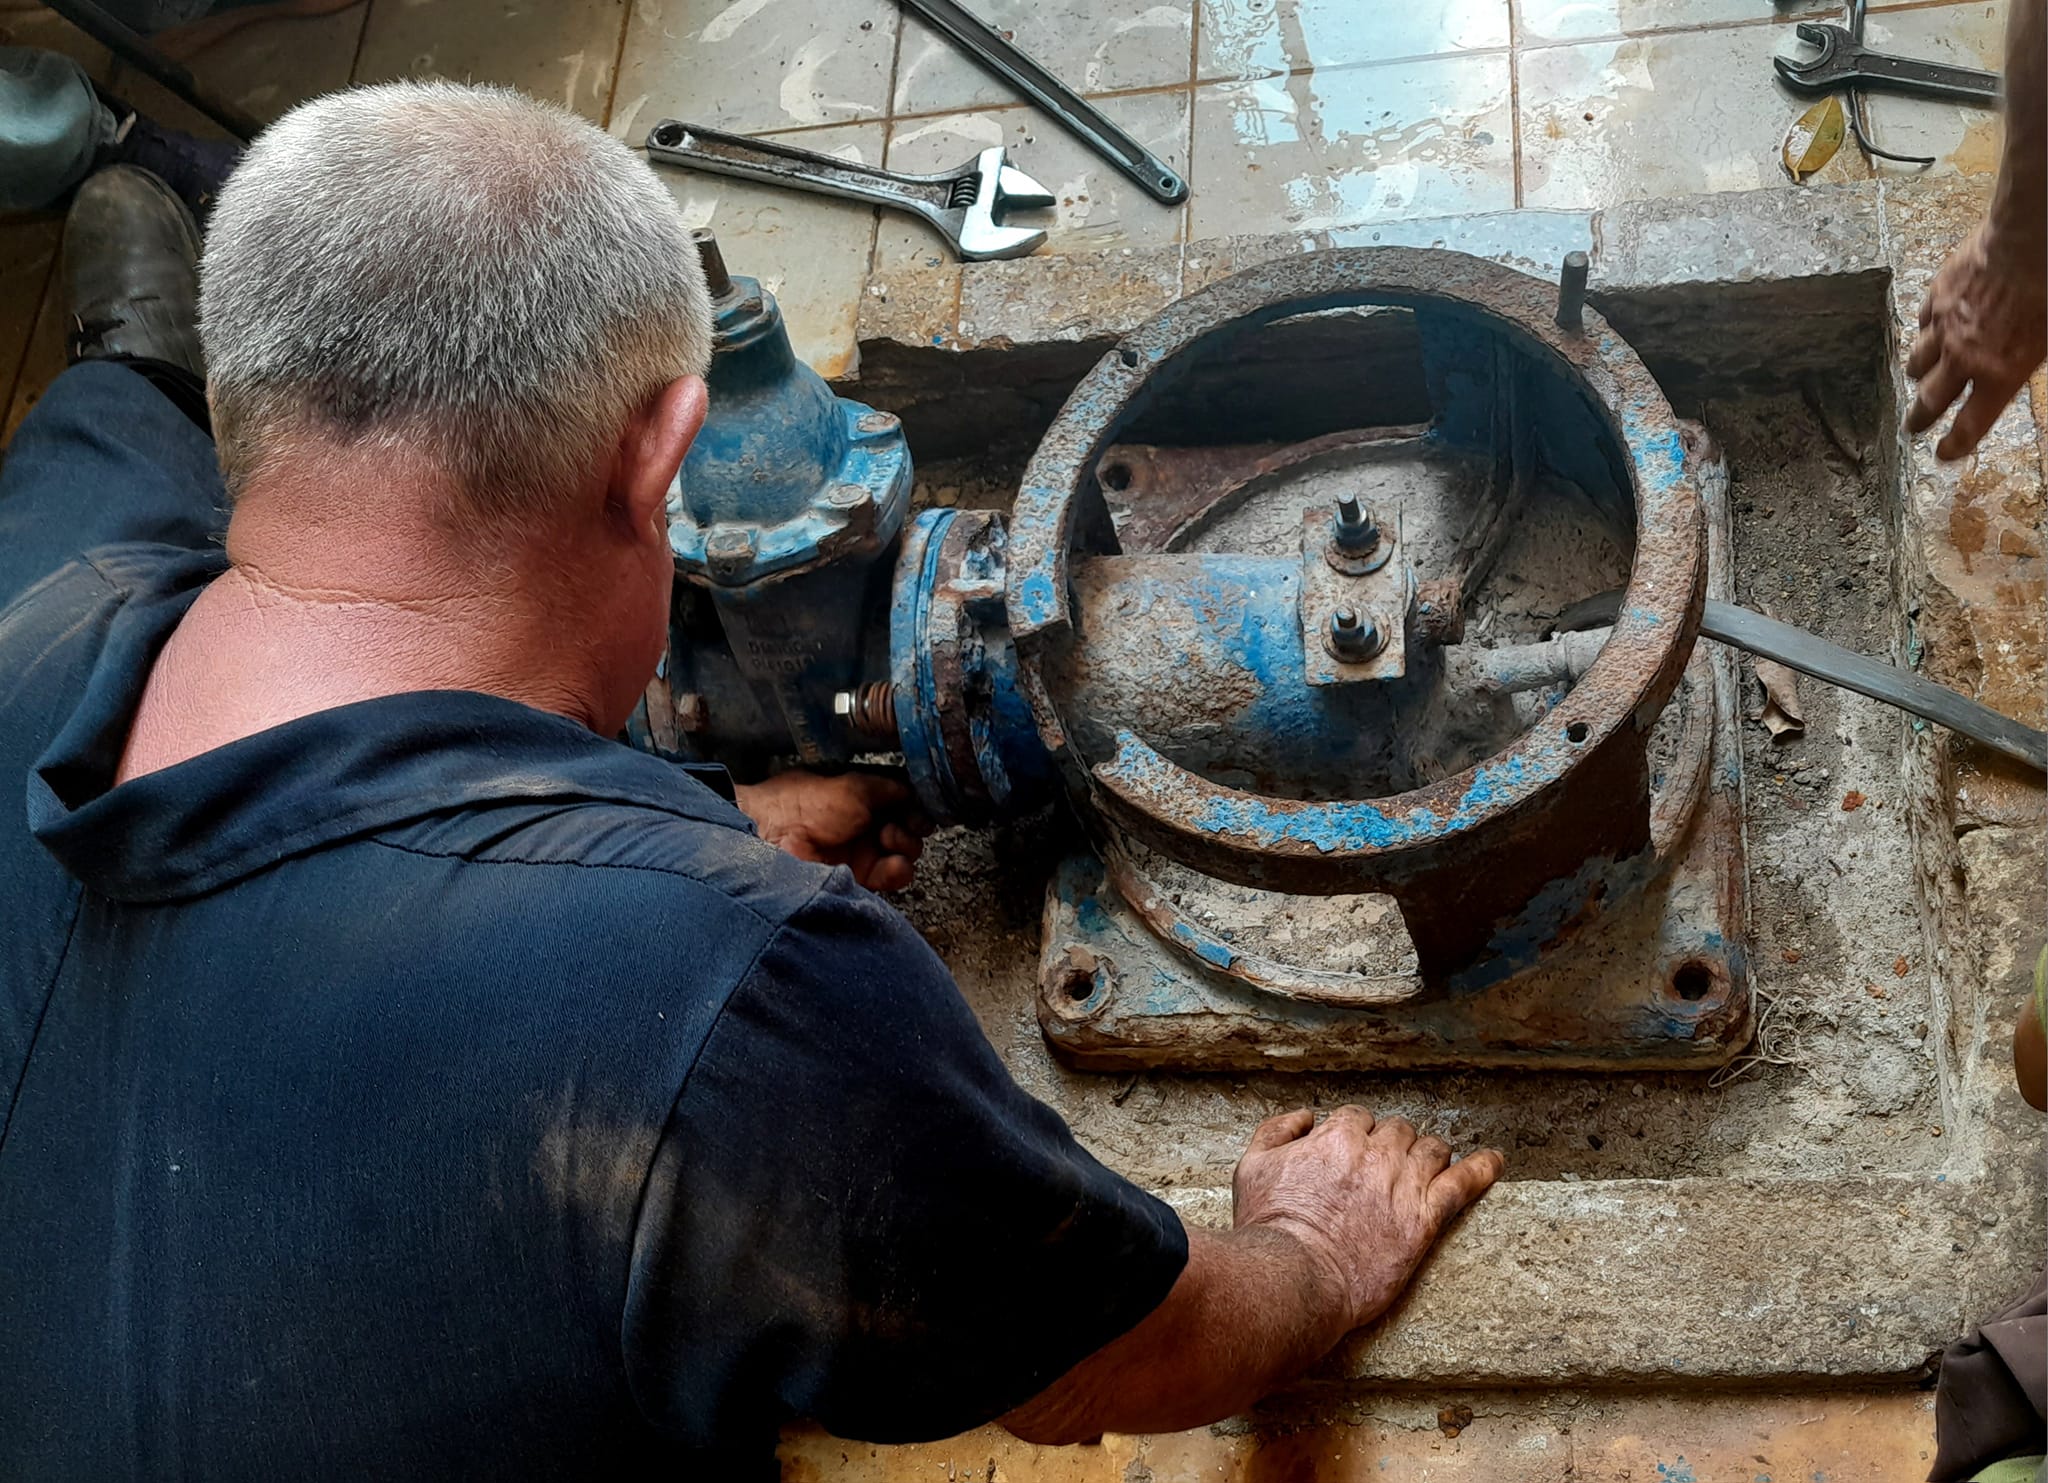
<point>489,282</point>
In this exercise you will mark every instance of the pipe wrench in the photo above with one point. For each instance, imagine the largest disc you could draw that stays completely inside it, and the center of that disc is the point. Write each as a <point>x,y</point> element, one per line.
<point>968,206</point>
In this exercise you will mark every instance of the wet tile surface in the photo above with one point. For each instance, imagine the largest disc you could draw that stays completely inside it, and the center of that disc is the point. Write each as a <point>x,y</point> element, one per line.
<point>1964,141</point>
<point>811,252</point>
<point>1540,22</point>
<point>1327,118</point>
<point>268,65</point>
<point>1092,47</point>
<point>755,66</point>
<point>1097,208</point>
<point>1608,121</point>
<point>1260,38</point>
<point>560,50</point>
<point>1342,146</point>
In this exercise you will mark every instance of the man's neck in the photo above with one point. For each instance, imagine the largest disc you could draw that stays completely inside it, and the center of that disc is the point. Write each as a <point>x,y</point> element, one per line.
<point>324,606</point>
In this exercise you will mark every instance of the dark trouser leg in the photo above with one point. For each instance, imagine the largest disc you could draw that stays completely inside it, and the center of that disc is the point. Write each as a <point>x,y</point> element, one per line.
<point>103,457</point>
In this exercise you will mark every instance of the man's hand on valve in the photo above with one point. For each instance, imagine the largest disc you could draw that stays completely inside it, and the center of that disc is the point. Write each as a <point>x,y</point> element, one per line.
<point>866,821</point>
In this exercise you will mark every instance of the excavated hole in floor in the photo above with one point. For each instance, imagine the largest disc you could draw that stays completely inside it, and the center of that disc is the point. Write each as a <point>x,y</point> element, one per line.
<point>1850,1081</point>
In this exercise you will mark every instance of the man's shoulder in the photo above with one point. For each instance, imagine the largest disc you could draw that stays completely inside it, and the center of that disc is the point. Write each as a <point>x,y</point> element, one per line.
<point>559,858</point>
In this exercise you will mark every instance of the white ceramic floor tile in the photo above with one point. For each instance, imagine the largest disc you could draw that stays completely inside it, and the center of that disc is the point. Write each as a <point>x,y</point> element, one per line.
<point>1098,207</point>
<point>1092,47</point>
<point>755,66</point>
<point>1339,147</point>
<point>1671,115</point>
<point>1258,38</point>
<point>1964,140</point>
<point>269,65</point>
<point>1543,21</point>
<point>559,50</point>
<point>263,68</point>
<point>811,252</point>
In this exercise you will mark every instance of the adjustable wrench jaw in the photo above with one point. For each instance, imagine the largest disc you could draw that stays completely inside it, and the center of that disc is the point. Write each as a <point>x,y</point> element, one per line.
<point>977,229</point>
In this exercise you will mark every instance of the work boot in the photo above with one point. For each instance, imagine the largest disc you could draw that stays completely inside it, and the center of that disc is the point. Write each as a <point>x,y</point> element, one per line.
<point>131,282</point>
<point>195,168</point>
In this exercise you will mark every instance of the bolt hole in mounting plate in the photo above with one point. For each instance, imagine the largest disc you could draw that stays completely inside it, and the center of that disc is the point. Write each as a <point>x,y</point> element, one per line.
<point>1555,893</point>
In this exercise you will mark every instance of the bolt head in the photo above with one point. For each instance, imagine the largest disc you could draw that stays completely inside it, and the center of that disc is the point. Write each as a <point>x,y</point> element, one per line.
<point>847,497</point>
<point>877,423</point>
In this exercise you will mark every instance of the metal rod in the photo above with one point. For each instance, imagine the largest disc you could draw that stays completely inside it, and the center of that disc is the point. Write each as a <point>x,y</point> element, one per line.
<point>131,48</point>
<point>1069,109</point>
<point>1813,655</point>
<point>717,278</point>
<point>1571,292</point>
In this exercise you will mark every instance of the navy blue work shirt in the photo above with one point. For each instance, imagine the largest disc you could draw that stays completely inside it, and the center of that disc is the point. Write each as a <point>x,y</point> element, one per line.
<point>431,1088</point>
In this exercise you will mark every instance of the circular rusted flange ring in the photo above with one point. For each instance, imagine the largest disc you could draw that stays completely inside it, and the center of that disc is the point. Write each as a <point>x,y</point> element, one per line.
<point>1593,739</point>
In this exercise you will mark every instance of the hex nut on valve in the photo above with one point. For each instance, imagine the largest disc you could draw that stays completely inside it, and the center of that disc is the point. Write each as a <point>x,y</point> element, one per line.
<point>1359,544</point>
<point>1355,528</point>
<point>1353,636</point>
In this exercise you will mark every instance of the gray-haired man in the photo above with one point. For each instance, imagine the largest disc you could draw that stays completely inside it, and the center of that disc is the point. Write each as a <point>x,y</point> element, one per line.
<point>410,1081</point>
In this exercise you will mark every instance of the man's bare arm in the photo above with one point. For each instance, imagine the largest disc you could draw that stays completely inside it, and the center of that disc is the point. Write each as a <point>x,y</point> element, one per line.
<point>1985,323</point>
<point>1330,1223</point>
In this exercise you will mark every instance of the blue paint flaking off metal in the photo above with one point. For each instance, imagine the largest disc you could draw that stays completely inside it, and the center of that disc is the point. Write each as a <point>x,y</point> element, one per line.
<point>1331,828</point>
<point>1205,947</point>
<point>1521,942</point>
<point>1659,455</point>
<point>1089,913</point>
<point>1035,595</point>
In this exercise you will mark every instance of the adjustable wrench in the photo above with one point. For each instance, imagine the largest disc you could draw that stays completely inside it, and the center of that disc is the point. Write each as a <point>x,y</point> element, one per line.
<point>966,205</point>
<point>1845,62</point>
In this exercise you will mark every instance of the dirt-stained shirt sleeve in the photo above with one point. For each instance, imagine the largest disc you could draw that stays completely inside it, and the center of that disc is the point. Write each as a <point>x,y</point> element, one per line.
<point>856,1216</point>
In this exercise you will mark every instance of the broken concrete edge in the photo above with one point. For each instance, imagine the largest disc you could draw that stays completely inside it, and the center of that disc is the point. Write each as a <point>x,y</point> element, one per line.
<point>1628,1282</point>
<point>1646,1282</point>
<point>1812,239</point>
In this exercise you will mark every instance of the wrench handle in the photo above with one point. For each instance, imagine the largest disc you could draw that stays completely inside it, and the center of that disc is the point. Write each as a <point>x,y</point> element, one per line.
<point>1928,79</point>
<point>769,163</point>
<point>1074,113</point>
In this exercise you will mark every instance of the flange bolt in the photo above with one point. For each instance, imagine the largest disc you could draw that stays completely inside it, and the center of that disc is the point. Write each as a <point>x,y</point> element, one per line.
<point>1355,529</point>
<point>1353,637</point>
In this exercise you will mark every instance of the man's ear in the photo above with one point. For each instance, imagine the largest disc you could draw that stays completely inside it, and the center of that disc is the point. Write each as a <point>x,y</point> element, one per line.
<point>652,449</point>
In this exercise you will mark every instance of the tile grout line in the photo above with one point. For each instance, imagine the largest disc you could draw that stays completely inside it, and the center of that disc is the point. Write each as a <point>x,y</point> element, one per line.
<point>888,142</point>
<point>1515,96</point>
<point>1186,231</point>
<point>611,97</point>
<point>355,62</point>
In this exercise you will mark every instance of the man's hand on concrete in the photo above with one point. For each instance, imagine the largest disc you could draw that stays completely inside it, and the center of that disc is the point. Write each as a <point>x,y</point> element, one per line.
<point>866,821</point>
<point>1984,326</point>
<point>1366,1197</point>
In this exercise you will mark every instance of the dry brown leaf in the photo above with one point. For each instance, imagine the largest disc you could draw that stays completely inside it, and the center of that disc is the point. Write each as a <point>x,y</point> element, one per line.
<point>1781,712</point>
<point>1814,137</point>
<point>1851,801</point>
<point>1900,967</point>
<point>1790,955</point>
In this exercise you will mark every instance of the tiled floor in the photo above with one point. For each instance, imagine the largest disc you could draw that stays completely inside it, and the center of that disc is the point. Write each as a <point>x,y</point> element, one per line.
<point>1330,115</point>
